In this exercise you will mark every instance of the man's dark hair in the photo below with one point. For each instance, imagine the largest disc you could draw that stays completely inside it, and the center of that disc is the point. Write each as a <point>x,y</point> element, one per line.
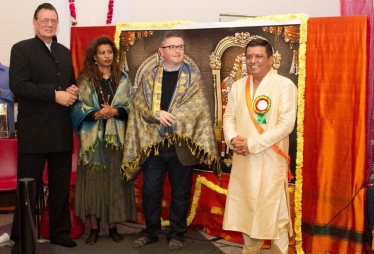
<point>169,34</point>
<point>44,6</point>
<point>260,42</point>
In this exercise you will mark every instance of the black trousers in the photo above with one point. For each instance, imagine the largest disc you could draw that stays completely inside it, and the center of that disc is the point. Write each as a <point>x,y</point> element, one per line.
<point>180,178</point>
<point>31,165</point>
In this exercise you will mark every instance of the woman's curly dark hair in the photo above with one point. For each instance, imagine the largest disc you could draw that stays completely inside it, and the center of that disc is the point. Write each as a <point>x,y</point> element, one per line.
<point>90,71</point>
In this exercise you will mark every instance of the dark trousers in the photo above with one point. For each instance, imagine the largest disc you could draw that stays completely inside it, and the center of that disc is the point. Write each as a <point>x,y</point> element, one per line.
<point>59,169</point>
<point>180,178</point>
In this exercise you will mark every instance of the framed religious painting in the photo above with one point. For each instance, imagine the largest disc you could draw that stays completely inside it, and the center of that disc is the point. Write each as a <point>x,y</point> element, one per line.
<point>217,50</point>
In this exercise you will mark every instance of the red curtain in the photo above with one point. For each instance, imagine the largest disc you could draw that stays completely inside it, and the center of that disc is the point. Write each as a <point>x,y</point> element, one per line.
<point>81,37</point>
<point>335,153</point>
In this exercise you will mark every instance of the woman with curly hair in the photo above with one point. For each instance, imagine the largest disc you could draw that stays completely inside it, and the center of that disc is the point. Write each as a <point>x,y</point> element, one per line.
<point>100,119</point>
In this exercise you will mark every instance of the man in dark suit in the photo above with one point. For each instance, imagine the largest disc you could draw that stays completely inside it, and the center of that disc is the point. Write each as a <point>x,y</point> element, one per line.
<point>42,78</point>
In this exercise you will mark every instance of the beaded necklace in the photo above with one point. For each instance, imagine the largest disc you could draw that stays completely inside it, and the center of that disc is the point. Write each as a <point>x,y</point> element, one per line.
<point>102,94</point>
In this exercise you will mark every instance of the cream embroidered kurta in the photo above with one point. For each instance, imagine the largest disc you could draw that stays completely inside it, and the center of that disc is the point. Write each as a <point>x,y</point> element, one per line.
<point>258,180</point>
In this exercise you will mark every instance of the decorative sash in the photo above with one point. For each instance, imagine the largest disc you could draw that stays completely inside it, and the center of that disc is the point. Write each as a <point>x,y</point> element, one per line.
<point>259,128</point>
<point>156,100</point>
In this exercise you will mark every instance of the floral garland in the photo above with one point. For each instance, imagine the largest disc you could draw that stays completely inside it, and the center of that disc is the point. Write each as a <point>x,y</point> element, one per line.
<point>73,14</point>
<point>232,75</point>
<point>109,16</point>
<point>225,90</point>
<point>300,130</point>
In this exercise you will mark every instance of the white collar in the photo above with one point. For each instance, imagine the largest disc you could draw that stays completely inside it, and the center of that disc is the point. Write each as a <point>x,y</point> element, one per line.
<point>175,69</point>
<point>48,45</point>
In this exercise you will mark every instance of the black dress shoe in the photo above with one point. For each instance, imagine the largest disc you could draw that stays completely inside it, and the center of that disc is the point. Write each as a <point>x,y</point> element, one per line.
<point>64,241</point>
<point>16,247</point>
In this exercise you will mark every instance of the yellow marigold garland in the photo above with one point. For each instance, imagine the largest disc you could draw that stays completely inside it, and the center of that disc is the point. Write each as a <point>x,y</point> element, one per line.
<point>300,131</point>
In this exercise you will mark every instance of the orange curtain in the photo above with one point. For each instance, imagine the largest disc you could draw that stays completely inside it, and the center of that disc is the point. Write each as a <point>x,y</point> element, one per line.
<point>335,135</point>
<point>81,37</point>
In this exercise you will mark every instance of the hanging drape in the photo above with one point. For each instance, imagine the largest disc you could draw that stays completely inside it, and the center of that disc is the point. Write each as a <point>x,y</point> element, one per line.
<point>365,7</point>
<point>335,135</point>
<point>81,37</point>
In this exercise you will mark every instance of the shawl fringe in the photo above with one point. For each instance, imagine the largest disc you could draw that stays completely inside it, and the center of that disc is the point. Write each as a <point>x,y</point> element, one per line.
<point>132,168</point>
<point>109,140</point>
<point>112,140</point>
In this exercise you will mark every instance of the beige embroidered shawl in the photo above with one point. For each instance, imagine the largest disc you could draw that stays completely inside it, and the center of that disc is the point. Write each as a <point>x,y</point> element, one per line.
<point>194,125</point>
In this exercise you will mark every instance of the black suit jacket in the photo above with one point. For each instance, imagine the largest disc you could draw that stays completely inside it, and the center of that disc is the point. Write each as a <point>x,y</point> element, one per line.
<point>35,73</point>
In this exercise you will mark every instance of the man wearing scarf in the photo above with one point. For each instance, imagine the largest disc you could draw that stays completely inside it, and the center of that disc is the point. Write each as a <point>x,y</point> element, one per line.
<point>170,129</point>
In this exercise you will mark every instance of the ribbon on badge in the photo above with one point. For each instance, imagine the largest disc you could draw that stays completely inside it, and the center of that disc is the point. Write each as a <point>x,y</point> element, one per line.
<point>261,105</point>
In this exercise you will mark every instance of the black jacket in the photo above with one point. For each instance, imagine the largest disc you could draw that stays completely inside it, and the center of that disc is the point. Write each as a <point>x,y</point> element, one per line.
<point>35,73</point>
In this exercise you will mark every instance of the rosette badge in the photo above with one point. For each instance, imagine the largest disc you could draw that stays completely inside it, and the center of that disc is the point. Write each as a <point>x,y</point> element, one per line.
<point>261,105</point>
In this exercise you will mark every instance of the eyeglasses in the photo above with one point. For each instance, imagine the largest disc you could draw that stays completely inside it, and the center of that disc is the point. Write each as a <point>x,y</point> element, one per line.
<point>46,21</point>
<point>174,48</point>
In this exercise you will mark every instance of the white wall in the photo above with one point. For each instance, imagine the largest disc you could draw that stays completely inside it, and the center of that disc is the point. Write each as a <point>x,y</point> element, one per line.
<point>94,12</point>
<point>209,10</point>
<point>16,23</point>
<point>16,15</point>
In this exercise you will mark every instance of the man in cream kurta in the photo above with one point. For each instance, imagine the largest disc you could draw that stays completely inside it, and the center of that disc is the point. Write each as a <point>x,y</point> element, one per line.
<point>257,200</point>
